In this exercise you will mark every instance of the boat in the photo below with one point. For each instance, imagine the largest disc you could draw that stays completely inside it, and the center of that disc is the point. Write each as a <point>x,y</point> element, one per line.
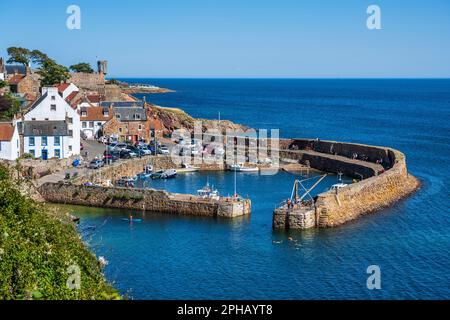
<point>168,174</point>
<point>143,175</point>
<point>338,186</point>
<point>187,168</point>
<point>131,220</point>
<point>241,168</point>
<point>164,174</point>
<point>207,192</point>
<point>126,181</point>
<point>157,174</point>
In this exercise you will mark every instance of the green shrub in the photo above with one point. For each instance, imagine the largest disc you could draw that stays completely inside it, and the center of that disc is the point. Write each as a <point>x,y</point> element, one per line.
<point>37,246</point>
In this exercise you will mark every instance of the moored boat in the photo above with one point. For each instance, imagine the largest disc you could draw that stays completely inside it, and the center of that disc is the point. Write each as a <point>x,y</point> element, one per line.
<point>241,168</point>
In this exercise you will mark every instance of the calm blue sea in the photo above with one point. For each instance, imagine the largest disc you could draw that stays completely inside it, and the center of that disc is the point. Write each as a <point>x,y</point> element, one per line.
<point>169,257</point>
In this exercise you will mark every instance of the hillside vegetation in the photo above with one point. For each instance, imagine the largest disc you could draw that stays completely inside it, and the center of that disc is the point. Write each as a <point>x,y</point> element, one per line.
<point>40,250</point>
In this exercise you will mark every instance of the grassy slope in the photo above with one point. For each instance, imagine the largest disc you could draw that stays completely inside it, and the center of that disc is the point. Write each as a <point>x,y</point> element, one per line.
<point>37,245</point>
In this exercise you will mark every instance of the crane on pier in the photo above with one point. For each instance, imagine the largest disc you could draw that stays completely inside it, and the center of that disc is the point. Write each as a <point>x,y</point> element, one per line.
<point>295,197</point>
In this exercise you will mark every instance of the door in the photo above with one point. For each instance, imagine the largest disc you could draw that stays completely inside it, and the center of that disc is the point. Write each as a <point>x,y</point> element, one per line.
<point>44,154</point>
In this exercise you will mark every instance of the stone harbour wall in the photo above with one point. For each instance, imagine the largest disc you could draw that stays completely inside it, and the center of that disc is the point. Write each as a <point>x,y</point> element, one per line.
<point>384,183</point>
<point>143,200</point>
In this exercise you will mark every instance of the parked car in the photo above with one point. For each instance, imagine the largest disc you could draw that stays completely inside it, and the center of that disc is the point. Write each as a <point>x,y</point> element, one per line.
<point>145,150</point>
<point>163,150</point>
<point>108,158</point>
<point>96,164</point>
<point>118,146</point>
<point>137,151</point>
<point>127,154</point>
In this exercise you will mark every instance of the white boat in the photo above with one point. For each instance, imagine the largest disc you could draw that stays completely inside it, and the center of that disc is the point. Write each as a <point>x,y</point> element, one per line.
<point>338,186</point>
<point>208,192</point>
<point>168,174</point>
<point>241,168</point>
<point>187,168</point>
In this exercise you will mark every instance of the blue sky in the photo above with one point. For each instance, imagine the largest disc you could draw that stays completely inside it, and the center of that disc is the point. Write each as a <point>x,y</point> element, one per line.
<point>238,38</point>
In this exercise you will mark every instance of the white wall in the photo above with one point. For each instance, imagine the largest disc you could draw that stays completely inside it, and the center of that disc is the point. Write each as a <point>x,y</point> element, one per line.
<point>90,132</point>
<point>10,150</point>
<point>50,147</point>
<point>71,88</point>
<point>43,111</point>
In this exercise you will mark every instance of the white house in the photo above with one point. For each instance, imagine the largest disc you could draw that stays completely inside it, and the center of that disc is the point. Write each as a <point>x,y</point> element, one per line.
<point>66,89</point>
<point>93,119</point>
<point>52,108</point>
<point>9,141</point>
<point>46,139</point>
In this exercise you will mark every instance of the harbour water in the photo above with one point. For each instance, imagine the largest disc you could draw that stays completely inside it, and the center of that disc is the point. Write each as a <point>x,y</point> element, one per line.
<point>171,257</point>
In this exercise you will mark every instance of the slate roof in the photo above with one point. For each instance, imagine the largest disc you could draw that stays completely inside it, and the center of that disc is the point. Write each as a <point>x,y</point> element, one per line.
<point>123,104</point>
<point>12,68</point>
<point>45,128</point>
<point>130,114</point>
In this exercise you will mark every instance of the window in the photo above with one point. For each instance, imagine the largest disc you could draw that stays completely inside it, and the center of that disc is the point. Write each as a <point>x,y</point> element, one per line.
<point>53,107</point>
<point>84,125</point>
<point>70,133</point>
<point>33,153</point>
<point>57,141</point>
<point>91,124</point>
<point>31,141</point>
<point>70,148</point>
<point>0,146</point>
<point>46,119</point>
<point>99,124</point>
<point>120,130</point>
<point>140,127</point>
<point>44,141</point>
<point>53,98</point>
<point>106,113</point>
<point>70,120</point>
<point>83,113</point>
<point>33,119</point>
<point>57,153</point>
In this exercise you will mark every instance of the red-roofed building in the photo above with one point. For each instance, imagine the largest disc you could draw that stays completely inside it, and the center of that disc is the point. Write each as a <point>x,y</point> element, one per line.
<point>9,141</point>
<point>66,89</point>
<point>28,83</point>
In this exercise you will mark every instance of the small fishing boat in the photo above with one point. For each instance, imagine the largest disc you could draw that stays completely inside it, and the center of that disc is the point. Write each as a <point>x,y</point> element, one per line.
<point>164,174</point>
<point>131,220</point>
<point>168,174</point>
<point>208,192</point>
<point>187,168</point>
<point>143,175</point>
<point>127,181</point>
<point>241,168</point>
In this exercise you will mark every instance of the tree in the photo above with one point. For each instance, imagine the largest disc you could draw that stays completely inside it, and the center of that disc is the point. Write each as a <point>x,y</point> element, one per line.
<point>9,106</point>
<point>19,55</point>
<point>53,73</point>
<point>38,57</point>
<point>82,67</point>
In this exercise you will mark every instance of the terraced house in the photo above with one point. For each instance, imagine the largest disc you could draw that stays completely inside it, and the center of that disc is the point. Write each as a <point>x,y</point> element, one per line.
<point>131,121</point>
<point>51,129</point>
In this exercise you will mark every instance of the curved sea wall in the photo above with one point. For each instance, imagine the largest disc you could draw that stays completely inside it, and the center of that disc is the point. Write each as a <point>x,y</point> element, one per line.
<point>386,178</point>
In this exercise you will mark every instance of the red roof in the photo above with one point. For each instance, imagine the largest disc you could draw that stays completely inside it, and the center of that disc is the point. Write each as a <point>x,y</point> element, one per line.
<point>6,131</point>
<point>63,86</point>
<point>16,79</point>
<point>71,96</point>
<point>95,114</point>
<point>95,98</point>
